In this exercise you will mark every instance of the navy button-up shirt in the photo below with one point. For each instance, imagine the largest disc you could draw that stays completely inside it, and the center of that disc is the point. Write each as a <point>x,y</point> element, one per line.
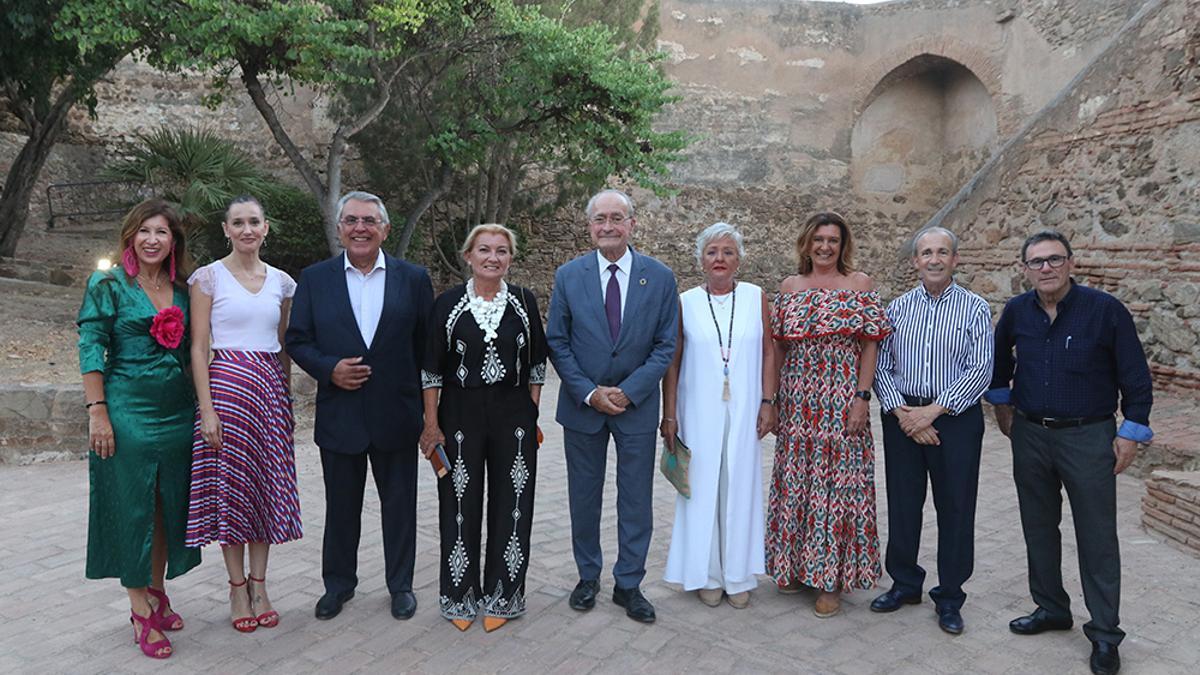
<point>1076,365</point>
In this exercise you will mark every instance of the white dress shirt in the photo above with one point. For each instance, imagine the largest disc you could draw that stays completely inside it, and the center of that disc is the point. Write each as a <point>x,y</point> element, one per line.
<point>366,295</point>
<point>625,266</point>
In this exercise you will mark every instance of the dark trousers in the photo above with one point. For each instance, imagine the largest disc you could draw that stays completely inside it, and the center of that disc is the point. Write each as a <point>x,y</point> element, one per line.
<point>953,470</point>
<point>491,438</point>
<point>1081,460</point>
<point>587,456</point>
<point>345,477</point>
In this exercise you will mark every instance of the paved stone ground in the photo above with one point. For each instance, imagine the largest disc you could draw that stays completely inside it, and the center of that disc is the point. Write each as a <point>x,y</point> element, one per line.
<point>53,620</point>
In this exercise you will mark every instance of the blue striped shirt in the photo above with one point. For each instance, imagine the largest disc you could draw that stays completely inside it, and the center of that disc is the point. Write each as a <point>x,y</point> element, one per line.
<point>941,348</point>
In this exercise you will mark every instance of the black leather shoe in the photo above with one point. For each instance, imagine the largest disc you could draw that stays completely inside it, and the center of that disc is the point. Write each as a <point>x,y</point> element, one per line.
<point>330,604</point>
<point>1105,658</point>
<point>1039,622</point>
<point>583,597</point>
<point>637,607</point>
<point>892,600</point>
<point>404,605</point>
<point>950,619</point>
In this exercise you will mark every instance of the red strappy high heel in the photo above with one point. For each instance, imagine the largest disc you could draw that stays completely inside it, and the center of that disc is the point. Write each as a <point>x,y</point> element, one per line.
<point>160,649</point>
<point>269,618</point>
<point>245,624</point>
<point>165,621</point>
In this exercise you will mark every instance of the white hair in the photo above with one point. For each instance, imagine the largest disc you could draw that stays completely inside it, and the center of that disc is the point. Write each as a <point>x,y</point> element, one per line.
<point>719,231</point>
<point>610,191</point>
<point>934,229</point>
<point>360,196</point>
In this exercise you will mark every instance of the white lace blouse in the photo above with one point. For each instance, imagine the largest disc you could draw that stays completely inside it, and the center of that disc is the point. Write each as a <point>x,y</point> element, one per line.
<point>241,320</point>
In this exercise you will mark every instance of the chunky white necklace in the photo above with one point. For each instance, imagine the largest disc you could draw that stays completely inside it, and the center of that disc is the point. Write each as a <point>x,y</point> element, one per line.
<point>487,313</point>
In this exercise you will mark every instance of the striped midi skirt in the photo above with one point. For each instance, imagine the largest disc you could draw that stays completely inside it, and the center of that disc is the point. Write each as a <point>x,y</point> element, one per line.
<point>246,491</point>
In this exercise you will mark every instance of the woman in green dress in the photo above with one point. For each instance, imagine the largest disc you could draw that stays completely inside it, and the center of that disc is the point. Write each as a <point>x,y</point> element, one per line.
<point>140,402</point>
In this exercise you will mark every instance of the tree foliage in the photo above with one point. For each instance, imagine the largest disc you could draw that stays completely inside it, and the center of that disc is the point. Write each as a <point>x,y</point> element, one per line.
<point>197,170</point>
<point>351,52</point>
<point>45,72</point>
<point>538,114</point>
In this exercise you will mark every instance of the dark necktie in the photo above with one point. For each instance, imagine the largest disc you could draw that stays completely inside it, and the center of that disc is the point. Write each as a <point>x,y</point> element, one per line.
<point>612,302</point>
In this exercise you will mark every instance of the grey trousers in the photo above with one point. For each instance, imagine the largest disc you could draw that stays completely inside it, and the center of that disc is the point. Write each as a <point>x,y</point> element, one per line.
<point>1081,460</point>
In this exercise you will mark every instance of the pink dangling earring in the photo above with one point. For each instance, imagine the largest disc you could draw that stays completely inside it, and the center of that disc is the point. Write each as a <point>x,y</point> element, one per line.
<point>171,267</point>
<point>130,262</point>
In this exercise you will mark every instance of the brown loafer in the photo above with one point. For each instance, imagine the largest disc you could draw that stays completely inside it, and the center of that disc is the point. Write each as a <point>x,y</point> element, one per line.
<point>828,604</point>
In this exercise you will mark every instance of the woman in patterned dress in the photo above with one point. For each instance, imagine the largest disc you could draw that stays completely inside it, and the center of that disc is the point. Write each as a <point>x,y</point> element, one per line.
<point>244,468</point>
<point>827,321</point>
<point>485,363</point>
<point>133,357</point>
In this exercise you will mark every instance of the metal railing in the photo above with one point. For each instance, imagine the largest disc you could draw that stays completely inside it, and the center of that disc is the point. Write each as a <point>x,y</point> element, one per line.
<point>90,198</point>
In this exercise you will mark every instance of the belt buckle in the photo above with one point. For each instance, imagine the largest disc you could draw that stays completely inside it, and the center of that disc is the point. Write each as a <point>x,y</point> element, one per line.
<point>1047,421</point>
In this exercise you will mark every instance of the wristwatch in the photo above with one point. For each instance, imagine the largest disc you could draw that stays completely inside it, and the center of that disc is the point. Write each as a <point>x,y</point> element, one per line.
<point>864,394</point>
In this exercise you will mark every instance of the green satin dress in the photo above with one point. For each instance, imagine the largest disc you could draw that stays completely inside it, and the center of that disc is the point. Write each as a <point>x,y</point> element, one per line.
<point>151,404</point>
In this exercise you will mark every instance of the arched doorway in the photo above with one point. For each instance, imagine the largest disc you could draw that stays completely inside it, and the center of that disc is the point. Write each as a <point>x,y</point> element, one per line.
<point>924,129</point>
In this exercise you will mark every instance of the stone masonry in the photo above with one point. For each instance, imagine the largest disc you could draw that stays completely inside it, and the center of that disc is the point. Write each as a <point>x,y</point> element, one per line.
<point>1171,508</point>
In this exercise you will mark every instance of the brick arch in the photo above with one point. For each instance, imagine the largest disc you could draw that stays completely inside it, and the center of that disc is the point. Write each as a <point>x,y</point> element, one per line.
<point>975,60</point>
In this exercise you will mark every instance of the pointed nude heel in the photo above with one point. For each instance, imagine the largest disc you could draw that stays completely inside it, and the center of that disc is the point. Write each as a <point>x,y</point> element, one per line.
<point>159,649</point>
<point>461,624</point>
<point>244,624</point>
<point>491,623</point>
<point>269,618</point>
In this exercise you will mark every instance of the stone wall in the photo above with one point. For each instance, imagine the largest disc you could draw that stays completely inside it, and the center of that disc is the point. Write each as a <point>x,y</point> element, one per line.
<point>42,423</point>
<point>1171,509</point>
<point>1112,164</point>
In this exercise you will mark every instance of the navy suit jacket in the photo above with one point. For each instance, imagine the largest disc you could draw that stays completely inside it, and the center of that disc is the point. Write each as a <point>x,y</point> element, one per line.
<point>386,412</point>
<point>585,355</point>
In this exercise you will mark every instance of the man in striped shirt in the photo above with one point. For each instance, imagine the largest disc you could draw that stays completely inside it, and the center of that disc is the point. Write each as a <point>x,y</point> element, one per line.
<point>931,374</point>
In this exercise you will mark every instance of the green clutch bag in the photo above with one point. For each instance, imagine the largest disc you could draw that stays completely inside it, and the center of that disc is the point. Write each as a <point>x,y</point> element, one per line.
<point>674,465</point>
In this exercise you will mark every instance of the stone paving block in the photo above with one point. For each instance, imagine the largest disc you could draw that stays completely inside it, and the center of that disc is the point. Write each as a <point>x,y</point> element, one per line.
<point>45,526</point>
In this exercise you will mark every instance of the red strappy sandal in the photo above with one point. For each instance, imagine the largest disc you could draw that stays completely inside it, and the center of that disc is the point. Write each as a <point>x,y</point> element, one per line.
<point>166,621</point>
<point>244,624</point>
<point>269,618</point>
<point>159,649</point>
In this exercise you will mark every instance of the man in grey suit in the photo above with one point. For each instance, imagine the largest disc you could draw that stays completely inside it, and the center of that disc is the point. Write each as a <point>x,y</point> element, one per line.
<point>611,332</point>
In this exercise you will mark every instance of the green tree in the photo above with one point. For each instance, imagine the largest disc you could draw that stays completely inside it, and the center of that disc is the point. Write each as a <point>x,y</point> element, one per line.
<point>539,114</point>
<point>44,73</point>
<point>350,52</point>
<point>197,170</point>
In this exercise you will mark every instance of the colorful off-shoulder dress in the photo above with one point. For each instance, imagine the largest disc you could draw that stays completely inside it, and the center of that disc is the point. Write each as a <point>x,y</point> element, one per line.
<point>151,403</point>
<point>821,526</point>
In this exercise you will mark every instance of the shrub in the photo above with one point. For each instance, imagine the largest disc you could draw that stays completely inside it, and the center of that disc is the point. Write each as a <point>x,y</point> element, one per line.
<point>297,237</point>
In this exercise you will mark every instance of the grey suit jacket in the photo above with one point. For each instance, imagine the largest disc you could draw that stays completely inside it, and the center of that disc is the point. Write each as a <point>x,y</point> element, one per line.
<point>585,355</point>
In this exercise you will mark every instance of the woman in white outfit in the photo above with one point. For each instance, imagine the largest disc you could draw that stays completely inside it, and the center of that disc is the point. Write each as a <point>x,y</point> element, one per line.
<point>718,396</point>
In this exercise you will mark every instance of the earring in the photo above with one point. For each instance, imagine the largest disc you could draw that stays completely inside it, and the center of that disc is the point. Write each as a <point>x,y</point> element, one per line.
<point>129,261</point>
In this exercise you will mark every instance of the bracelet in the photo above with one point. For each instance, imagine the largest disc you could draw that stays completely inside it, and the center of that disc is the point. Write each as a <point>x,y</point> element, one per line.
<point>769,401</point>
<point>100,402</point>
<point>668,419</point>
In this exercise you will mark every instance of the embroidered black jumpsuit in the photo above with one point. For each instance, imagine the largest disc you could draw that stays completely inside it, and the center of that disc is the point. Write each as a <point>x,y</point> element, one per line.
<point>489,420</point>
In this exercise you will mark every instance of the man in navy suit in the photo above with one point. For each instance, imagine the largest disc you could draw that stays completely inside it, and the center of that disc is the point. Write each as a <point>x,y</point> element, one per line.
<point>611,331</point>
<point>358,327</point>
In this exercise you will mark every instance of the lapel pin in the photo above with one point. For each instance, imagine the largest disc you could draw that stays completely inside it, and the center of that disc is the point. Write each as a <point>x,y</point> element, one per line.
<point>642,281</point>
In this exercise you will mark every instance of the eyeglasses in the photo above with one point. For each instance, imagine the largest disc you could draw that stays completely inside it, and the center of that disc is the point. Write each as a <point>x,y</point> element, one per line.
<point>611,219</point>
<point>369,221</point>
<point>1055,261</point>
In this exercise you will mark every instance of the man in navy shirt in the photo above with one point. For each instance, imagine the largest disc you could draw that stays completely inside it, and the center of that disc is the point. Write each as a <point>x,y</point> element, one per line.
<point>1076,352</point>
<point>932,370</point>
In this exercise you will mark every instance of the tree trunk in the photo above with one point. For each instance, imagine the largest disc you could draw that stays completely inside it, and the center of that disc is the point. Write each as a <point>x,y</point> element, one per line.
<point>23,174</point>
<point>431,195</point>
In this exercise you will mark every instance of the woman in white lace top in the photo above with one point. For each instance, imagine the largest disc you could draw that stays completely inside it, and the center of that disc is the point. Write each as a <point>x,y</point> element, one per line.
<point>243,493</point>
